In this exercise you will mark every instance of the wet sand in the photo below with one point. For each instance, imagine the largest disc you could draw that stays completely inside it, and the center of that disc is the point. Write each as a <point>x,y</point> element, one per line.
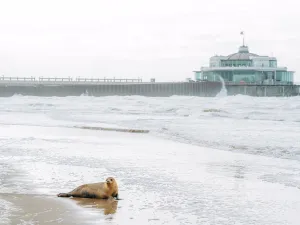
<point>37,209</point>
<point>160,181</point>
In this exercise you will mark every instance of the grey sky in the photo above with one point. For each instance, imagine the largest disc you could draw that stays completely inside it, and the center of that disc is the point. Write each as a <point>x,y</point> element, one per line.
<point>165,39</point>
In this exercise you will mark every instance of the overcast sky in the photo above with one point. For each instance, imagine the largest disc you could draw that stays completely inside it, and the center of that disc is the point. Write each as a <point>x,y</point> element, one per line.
<point>164,39</point>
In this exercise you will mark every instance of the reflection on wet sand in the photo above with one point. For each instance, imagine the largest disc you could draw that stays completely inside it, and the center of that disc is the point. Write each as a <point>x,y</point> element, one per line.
<point>231,169</point>
<point>239,171</point>
<point>109,206</point>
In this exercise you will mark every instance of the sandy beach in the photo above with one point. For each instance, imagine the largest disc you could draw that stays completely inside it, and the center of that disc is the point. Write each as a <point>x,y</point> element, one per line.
<point>183,184</point>
<point>161,180</point>
<point>38,209</point>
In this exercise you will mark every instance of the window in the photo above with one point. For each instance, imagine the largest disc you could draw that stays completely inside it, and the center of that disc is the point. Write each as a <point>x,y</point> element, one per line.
<point>284,76</point>
<point>273,63</point>
<point>198,75</point>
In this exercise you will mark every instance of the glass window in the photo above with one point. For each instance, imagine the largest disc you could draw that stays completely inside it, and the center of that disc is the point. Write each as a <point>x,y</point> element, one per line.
<point>278,76</point>
<point>198,75</point>
<point>290,77</point>
<point>273,63</point>
<point>244,76</point>
<point>283,76</point>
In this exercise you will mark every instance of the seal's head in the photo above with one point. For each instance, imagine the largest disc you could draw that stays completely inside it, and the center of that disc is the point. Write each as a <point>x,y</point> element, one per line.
<point>110,180</point>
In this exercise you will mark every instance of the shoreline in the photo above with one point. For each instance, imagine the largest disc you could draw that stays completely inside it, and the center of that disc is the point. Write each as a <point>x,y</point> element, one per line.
<point>39,209</point>
<point>161,181</point>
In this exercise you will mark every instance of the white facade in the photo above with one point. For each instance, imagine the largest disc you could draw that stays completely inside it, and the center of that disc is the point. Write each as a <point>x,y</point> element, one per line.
<point>245,67</point>
<point>263,61</point>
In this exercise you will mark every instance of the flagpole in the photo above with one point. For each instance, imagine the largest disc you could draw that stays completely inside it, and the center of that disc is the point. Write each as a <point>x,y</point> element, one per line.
<point>242,33</point>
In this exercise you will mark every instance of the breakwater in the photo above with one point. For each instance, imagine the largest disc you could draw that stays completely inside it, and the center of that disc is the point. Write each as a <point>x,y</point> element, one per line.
<point>93,88</point>
<point>124,87</point>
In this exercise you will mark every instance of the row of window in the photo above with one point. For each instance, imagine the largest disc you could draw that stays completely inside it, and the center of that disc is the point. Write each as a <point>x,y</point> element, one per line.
<point>244,63</point>
<point>284,76</point>
<point>247,76</point>
<point>236,63</point>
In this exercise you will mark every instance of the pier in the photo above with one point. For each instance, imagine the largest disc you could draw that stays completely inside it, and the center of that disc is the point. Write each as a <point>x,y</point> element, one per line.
<point>67,86</point>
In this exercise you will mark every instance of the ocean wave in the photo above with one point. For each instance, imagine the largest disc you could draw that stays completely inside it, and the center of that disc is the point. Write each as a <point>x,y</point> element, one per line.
<point>211,122</point>
<point>6,209</point>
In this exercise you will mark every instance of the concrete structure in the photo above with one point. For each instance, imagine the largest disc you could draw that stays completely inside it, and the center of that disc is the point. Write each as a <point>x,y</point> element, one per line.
<point>245,67</point>
<point>92,88</point>
<point>108,87</point>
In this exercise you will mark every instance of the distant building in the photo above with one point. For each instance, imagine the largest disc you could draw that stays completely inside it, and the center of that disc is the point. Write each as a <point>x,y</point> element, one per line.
<point>245,67</point>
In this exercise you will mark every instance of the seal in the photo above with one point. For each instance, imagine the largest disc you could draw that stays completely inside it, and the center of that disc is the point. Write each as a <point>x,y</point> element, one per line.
<point>101,190</point>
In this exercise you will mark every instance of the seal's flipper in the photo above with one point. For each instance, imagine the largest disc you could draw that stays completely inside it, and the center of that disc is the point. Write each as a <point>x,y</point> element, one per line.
<point>64,195</point>
<point>117,197</point>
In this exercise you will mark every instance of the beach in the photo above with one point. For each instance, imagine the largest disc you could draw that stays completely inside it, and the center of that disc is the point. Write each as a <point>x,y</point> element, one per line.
<point>162,179</point>
<point>39,209</point>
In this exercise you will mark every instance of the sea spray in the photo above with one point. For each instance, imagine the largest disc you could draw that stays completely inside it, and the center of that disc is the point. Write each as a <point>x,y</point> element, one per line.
<point>223,92</point>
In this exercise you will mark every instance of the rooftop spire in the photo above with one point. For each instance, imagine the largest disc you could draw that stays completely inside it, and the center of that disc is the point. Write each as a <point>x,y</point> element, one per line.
<point>243,49</point>
<point>243,34</point>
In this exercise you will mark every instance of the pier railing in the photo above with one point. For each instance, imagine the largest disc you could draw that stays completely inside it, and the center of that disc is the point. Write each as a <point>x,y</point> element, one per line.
<point>2,78</point>
<point>68,79</point>
<point>107,80</point>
